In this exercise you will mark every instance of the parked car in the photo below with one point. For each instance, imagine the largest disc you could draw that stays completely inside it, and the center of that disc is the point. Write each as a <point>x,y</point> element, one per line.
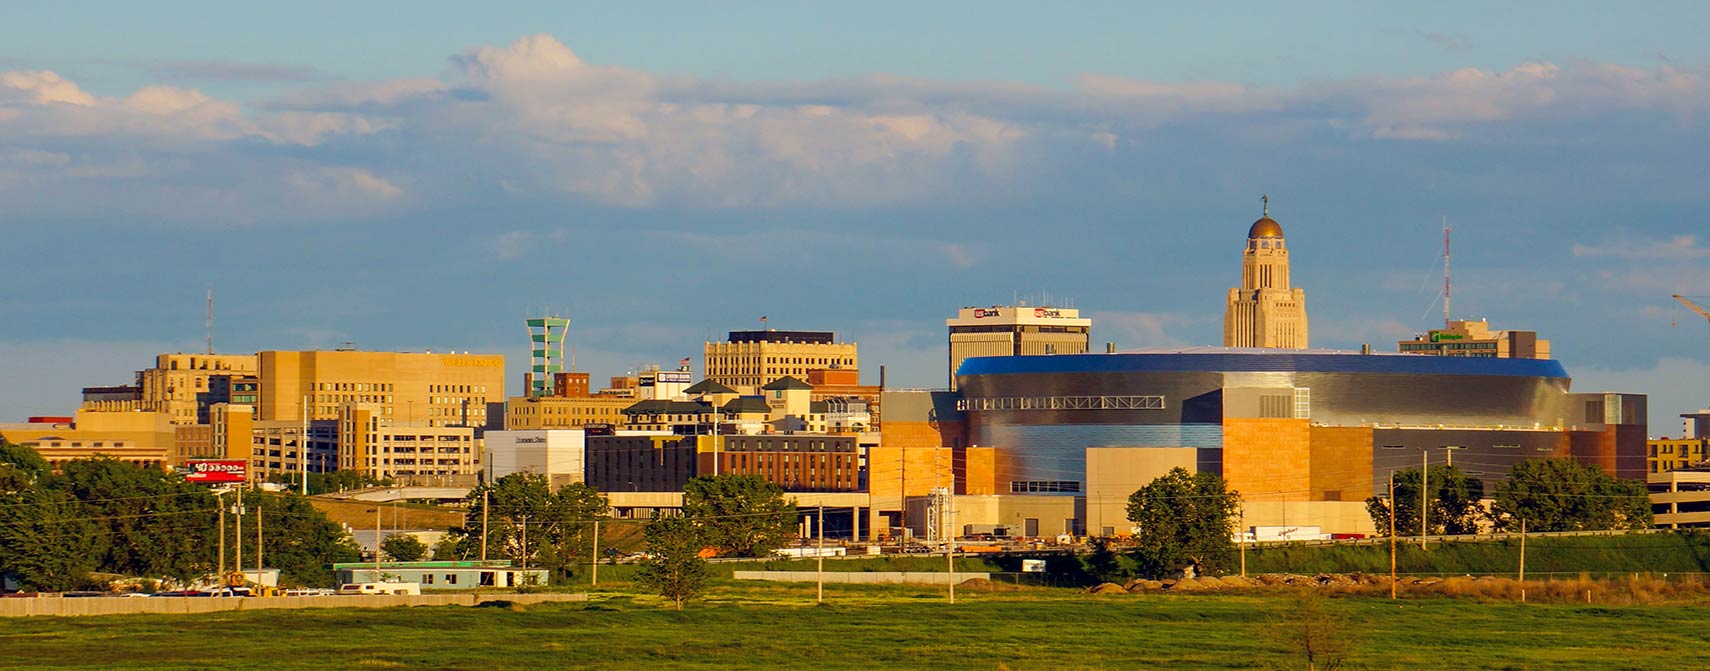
<point>182,593</point>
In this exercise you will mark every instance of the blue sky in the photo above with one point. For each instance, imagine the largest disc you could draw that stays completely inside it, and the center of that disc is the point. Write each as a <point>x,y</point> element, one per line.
<point>421,175</point>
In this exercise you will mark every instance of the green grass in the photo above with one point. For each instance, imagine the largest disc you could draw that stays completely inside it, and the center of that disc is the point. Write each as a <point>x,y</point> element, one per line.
<point>867,627</point>
<point>1598,555</point>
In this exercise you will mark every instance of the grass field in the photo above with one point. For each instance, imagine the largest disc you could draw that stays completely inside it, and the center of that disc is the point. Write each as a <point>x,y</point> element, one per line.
<point>778,627</point>
<point>1598,555</point>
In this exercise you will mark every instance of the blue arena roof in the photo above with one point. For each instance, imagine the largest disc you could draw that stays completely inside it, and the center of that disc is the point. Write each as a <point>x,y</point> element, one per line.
<point>1263,361</point>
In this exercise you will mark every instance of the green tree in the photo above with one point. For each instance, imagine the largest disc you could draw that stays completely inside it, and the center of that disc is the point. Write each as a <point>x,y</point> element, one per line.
<point>741,515</point>
<point>155,523</point>
<point>1454,500</point>
<point>46,540</point>
<point>560,524</point>
<point>404,547</point>
<point>1104,564</point>
<point>1563,495</point>
<point>299,539</point>
<point>451,547</point>
<point>1184,519</point>
<point>673,567</point>
<point>20,468</point>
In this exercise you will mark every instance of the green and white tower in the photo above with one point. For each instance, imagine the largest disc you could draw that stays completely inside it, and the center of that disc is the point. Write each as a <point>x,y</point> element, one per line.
<point>546,356</point>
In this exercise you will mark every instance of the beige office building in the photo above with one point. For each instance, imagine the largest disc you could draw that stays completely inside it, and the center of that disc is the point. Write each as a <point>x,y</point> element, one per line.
<point>409,388</point>
<point>1475,339</point>
<point>1265,311</point>
<point>752,359</point>
<point>375,445</point>
<point>1015,330</point>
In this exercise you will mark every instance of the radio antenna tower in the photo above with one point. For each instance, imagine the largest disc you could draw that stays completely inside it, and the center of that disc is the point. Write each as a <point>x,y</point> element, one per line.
<point>1446,230</point>
<point>208,325</point>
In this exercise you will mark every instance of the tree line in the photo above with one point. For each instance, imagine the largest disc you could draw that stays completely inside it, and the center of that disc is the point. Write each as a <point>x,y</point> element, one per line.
<point>1188,519</point>
<point>522,519</point>
<point>101,519</point>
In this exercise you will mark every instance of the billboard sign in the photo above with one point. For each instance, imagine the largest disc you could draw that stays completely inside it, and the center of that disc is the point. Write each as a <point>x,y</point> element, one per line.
<point>1032,566</point>
<point>216,471</point>
<point>674,377</point>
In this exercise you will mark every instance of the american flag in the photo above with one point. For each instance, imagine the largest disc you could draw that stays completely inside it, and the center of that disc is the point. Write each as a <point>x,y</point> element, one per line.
<point>684,363</point>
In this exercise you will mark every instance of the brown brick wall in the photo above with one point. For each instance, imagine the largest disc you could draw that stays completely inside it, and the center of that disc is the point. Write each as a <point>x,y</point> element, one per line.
<point>1268,459</point>
<point>1341,465</point>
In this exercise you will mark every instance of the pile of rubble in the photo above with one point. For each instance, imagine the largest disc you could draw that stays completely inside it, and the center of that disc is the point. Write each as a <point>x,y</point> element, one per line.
<point>1261,581</point>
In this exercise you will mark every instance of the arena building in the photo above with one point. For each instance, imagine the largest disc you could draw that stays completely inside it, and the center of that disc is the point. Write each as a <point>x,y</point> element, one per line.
<point>1305,436</point>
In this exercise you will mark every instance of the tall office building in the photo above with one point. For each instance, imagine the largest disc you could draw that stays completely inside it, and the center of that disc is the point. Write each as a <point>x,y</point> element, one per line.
<point>752,359</point>
<point>409,388</point>
<point>1015,330</point>
<point>1265,311</point>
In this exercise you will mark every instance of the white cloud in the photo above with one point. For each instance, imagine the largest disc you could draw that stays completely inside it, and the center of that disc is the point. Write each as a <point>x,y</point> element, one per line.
<point>44,88</point>
<point>536,117</point>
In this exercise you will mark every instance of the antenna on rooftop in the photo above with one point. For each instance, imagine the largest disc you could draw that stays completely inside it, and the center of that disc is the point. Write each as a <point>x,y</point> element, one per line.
<point>1446,230</point>
<point>208,326</point>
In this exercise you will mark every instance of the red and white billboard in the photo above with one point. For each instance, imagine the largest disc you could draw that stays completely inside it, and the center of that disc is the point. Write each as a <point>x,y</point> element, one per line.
<point>216,471</point>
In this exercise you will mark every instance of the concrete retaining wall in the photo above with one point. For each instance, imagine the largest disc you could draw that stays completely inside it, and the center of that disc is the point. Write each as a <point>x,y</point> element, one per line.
<point>80,607</point>
<point>871,578</point>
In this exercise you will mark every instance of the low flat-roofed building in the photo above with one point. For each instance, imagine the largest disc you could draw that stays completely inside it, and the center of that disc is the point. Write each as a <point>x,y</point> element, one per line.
<point>1475,339</point>
<point>664,463</point>
<point>443,575</point>
<point>146,439</point>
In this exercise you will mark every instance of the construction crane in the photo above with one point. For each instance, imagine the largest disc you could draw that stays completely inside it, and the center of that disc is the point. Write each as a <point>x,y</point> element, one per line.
<point>1701,310</point>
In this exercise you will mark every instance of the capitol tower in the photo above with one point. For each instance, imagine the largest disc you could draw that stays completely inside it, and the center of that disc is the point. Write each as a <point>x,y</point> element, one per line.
<point>1265,311</point>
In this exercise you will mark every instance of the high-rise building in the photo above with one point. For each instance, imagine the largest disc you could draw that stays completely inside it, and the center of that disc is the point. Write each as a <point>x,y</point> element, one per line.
<point>1006,330</point>
<point>410,388</point>
<point>1265,311</point>
<point>1474,338</point>
<point>752,359</point>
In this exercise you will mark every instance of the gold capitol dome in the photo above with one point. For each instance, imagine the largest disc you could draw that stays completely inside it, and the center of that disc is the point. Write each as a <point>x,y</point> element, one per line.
<point>1265,227</point>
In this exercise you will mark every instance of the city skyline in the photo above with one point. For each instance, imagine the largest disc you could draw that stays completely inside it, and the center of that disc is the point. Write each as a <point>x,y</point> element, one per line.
<point>429,193</point>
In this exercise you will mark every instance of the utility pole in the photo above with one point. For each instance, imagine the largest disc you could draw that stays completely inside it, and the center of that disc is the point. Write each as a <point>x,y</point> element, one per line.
<point>525,546</point>
<point>1243,532</point>
<point>220,571</point>
<point>484,509</point>
<point>596,564</point>
<point>819,571</point>
<point>237,535</point>
<point>1424,489</point>
<point>1392,510</point>
<point>258,545</point>
<point>950,552</point>
<point>376,542</point>
<point>1522,560</point>
<point>303,447</point>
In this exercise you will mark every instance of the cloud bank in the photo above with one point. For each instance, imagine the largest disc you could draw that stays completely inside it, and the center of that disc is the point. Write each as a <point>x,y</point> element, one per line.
<point>533,119</point>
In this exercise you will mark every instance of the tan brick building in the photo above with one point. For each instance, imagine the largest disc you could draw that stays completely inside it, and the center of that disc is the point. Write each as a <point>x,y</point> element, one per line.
<point>751,359</point>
